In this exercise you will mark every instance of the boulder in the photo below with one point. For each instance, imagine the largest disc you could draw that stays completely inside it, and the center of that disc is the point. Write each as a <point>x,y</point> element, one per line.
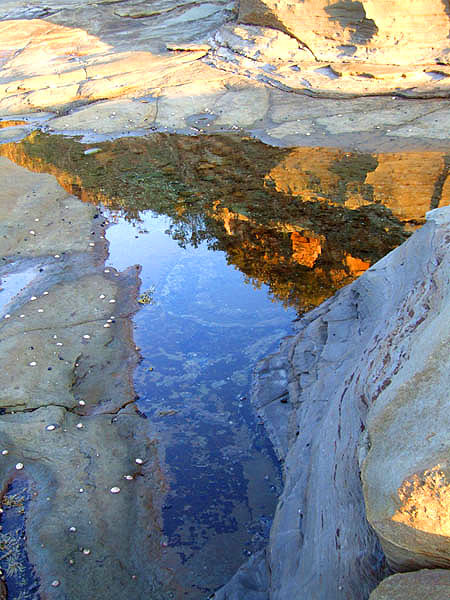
<point>431,584</point>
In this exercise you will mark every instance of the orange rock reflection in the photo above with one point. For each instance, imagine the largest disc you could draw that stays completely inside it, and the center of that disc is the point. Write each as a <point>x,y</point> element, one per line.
<point>304,221</point>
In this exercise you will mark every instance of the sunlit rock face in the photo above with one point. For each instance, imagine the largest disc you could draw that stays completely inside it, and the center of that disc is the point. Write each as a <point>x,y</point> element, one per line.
<point>377,31</point>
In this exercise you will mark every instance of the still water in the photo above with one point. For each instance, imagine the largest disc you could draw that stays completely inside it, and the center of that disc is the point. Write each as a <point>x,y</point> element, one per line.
<point>234,240</point>
<point>200,330</point>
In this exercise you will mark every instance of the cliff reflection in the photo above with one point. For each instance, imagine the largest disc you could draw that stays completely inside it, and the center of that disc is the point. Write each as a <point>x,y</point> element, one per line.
<point>304,221</point>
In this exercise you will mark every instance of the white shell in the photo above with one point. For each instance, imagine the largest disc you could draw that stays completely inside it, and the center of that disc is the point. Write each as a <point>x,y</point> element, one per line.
<point>19,466</point>
<point>115,490</point>
<point>139,461</point>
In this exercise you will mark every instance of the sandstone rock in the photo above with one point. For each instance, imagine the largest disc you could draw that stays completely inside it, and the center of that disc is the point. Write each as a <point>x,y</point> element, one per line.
<point>373,31</point>
<point>380,339</point>
<point>408,504</point>
<point>67,418</point>
<point>114,117</point>
<point>430,584</point>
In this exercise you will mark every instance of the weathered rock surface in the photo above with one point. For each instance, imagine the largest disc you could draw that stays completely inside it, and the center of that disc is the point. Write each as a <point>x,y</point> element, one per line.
<point>188,67</point>
<point>370,31</point>
<point>431,584</point>
<point>405,474</point>
<point>374,356</point>
<point>68,430</point>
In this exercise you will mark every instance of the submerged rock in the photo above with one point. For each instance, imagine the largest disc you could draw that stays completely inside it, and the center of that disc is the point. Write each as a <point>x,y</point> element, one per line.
<point>375,356</point>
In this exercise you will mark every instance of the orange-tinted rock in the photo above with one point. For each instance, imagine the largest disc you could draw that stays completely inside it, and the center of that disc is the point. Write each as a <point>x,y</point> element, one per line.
<point>374,31</point>
<point>305,250</point>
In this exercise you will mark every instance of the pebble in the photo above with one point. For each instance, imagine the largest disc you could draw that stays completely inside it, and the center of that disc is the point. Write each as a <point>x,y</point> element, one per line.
<point>19,466</point>
<point>5,452</point>
<point>72,529</point>
<point>115,490</point>
<point>57,256</point>
<point>32,232</point>
<point>40,310</point>
<point>55,583</point>
<point>33,298</point>
<point>21,316</point>
<point>7,316</point>
<point>128,477</point>
<point>106,271</point>
<point>87,337</point>
<point>92,151</point>
<point>106,325</point>
<point>45,294</point>
<point>102,296</point>
<point>91,244</point>
<point>50,427</point>
<point>112,301</point>
<point>33,363</point>
<point>81,490</point>
<point>82,403</point>
<point>139,461</point>
<point>80,425</point>
<point>59,343</point>
<point>86,551</point>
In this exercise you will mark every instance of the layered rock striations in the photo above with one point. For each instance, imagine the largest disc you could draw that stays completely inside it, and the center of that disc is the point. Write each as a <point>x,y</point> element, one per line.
<point>362,384</point>
<point>373,31</point>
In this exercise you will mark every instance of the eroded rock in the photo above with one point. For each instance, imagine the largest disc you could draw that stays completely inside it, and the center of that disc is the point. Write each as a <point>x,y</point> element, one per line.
<point>68,429</point>
<point>431,584</point>
<point>374,356</point>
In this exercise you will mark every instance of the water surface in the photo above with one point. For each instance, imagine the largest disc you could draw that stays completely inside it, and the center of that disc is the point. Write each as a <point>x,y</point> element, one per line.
<point>234,240</point>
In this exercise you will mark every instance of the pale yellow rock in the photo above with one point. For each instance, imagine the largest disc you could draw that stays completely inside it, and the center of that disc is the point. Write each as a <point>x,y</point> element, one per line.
<point>379,31</point>
<point>397,115</point>
<point>305,127</point>
<point>242,107</point>
<point>108,117</point>
<point>176,104</point>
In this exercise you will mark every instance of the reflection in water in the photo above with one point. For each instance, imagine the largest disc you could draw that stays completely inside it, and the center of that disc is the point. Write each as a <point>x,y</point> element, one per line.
<point>200,331</point>
<point>304,221</point>
<point>22,581</point>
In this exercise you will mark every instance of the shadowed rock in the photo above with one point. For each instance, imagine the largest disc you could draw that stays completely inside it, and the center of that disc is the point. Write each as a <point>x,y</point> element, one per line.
<point>374,358</point>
